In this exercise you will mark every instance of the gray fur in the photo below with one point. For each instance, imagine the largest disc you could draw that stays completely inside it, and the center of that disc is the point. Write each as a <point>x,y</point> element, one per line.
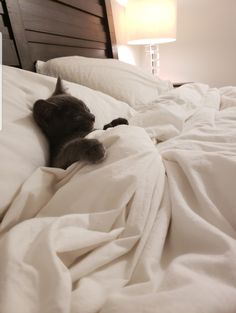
<point>65,121</point>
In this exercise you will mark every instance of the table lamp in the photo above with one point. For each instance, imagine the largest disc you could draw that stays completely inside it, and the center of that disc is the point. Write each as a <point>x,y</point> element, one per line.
<point>151,22</point>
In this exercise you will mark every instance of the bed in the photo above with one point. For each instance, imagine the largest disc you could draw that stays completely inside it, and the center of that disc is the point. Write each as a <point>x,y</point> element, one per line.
<point>150,229</point>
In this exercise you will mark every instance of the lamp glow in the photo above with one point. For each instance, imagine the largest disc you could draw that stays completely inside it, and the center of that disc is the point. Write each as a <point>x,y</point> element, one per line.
<point>151,22</point>
<point>122,2</point>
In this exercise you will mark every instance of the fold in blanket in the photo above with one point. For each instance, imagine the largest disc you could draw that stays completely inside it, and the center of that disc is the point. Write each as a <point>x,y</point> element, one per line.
<point>151,229</point>
<point>88,221</point>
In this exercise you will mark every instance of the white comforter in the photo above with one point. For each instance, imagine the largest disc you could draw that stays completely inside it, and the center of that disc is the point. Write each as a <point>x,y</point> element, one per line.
<point>151,229</point>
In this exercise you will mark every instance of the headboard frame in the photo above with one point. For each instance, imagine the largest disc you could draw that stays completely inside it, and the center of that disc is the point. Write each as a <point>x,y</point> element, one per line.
<point>45,29</point>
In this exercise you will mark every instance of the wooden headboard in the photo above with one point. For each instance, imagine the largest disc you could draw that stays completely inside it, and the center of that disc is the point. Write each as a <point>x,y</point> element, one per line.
<point>45,29</point>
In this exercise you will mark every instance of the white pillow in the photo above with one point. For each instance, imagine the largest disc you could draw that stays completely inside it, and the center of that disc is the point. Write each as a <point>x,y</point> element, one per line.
<point>23,146</point>
<point>120,80</point>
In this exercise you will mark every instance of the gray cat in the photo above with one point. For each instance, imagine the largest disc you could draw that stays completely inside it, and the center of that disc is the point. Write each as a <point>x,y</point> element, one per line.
<point>65,121</point>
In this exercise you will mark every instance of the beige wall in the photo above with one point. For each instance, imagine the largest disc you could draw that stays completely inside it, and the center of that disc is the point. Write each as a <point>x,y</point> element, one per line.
<point>205,50</point>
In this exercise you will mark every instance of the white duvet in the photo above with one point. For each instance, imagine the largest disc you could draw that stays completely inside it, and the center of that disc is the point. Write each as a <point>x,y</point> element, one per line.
<point>151,229</point>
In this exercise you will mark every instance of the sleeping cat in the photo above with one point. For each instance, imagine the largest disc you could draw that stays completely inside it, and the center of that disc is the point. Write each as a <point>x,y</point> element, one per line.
<point>66,120</point>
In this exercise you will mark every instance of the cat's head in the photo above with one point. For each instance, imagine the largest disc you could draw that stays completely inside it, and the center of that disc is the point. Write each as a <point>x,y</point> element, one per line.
<point>62,115</point>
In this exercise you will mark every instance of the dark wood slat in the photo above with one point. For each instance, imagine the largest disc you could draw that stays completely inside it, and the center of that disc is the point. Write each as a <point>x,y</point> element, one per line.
<point>19,34</point>
<point>86,5</point>
<point>9,56</point>
<point>62,41</point>
<point>45,29</point>
<point>54,27</point>
<point>1,8</point>
<point>47,52</point>
<point>78,20</point>
<point>111,36</point>
<point>3,29</point>
<point>57,11</point>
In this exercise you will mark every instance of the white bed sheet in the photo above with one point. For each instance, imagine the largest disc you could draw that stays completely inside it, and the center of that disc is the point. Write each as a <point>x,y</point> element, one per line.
<point>151,229</point>
<point>23,147</point>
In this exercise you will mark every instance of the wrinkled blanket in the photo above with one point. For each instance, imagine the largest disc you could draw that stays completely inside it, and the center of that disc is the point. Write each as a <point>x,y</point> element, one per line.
<point>151,229</point>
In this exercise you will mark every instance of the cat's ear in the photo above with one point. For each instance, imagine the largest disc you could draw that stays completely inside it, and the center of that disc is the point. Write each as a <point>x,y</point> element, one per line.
<point>59,87</point>
<point>43,110</point>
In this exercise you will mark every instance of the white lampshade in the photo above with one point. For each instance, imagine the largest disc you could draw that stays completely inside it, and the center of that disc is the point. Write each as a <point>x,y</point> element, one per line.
<point>151,21</point>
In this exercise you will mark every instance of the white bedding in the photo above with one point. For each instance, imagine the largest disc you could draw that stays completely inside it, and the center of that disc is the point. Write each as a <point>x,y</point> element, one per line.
<point>151,229</point>
<point>23,147</point>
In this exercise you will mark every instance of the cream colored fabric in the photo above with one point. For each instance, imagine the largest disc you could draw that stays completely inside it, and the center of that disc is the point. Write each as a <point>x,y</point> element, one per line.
<point>120,80</point>
<point>23,147</point>
<point>166,116</point>
<point>85,221</point>
<point>151,229</point>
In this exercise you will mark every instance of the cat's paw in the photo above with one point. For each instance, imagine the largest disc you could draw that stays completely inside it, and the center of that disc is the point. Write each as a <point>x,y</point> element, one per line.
<point>92,151</point>
<point>116,122</point>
